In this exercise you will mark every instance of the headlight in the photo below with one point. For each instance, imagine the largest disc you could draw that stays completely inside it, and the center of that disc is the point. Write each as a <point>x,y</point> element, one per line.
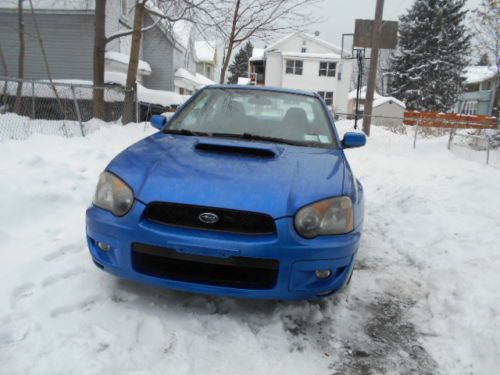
<point>327,217</point>
<point>113,194</point>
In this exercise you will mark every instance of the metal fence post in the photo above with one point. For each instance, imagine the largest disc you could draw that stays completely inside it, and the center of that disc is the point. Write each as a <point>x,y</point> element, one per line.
<point>416,132</point>
<point>32,99</point>
<point>450,140</point>
<point>136,104</point>
<point>488,150</point>
<point>77,110</point>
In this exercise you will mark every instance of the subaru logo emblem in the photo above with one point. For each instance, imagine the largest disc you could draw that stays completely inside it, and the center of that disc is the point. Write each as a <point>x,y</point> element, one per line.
<point>208,218</point>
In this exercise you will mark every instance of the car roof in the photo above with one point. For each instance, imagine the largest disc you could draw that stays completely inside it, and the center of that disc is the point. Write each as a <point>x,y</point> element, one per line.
<point>262,88</point>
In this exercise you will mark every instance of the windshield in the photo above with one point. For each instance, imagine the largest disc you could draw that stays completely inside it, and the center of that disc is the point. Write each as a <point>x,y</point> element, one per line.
<point>291,118</point>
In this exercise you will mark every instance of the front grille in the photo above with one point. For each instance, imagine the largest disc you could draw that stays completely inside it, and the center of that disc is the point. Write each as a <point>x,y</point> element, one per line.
<point>234,272</point>
<point>232,221</point>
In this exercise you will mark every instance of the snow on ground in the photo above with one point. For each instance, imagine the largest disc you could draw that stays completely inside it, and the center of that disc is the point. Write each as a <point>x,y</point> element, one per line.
<point>424,297</point>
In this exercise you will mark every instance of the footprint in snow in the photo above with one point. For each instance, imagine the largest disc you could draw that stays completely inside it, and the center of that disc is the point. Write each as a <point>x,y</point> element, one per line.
<point>21,293</point>
<point>68,249</point>
<point>13,330</point>
<point>83,306</point>
<point>52,279</point>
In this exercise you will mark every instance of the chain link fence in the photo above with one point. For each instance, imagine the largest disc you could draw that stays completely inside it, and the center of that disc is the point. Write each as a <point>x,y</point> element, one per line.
<point>65,108</point>
<point>481,146</point>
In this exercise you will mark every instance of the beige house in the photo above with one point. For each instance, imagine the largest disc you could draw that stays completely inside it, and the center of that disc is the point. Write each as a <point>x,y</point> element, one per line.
<point>351,101</point>
<point>383,108</point>
<point>388,111</point>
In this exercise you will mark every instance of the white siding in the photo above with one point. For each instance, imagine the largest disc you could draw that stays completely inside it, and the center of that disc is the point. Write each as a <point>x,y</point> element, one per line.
<point>296,44</point>
<point>274,71</point>
<point>310,80</point>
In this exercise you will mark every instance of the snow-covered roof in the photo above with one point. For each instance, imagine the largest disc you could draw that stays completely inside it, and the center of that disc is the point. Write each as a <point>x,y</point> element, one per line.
<point>243,81</point>
<point>181,32</point>
<point>388,99</point>
<point>204,51</point>
<point>306,55</point>
<point>362,95</point>
<point>199,80</point>
<point>477,74</point>
<point>51,4</point>
<point>257,54</point>
<point>335,49</point>
<point>145,95</point>
<point>124,59</point>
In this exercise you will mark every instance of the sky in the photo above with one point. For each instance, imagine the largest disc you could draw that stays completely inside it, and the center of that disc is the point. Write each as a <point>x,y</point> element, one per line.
<point>339,15</point>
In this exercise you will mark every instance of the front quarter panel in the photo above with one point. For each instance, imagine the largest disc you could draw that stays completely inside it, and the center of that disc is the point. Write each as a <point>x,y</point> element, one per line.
<point>354,189</point>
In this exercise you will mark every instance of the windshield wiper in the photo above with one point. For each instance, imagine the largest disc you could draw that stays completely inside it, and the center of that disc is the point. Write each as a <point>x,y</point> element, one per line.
<point>255,137</point>
<point>184,132</point>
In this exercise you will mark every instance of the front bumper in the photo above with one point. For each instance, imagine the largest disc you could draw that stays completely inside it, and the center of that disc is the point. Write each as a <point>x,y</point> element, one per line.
<point>298,258</point>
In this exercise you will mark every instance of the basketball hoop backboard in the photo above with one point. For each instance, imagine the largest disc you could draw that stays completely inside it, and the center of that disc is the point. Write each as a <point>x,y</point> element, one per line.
<point>363,34</point>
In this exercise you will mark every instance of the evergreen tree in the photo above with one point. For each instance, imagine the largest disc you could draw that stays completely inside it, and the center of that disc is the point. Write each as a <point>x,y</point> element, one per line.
<point>434,46</point>
<point>239,67</point>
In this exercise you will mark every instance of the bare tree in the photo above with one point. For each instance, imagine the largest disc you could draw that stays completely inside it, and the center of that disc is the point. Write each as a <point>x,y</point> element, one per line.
<point>5,72</point>
<point>239,20</point>
<point>20,62</point>
<point>168,12</point>
<point>128,106</point>
<point>486,25</point>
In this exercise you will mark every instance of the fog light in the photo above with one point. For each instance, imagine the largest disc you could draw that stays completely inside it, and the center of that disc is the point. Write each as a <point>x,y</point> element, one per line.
<point>103,246</point>
<point>323,274</point>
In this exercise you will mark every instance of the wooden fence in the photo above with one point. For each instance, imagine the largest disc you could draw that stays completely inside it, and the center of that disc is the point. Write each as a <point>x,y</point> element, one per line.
<point>449,120</point>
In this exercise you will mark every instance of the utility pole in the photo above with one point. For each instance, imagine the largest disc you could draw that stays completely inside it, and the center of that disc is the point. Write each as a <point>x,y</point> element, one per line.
<point>377,29</point>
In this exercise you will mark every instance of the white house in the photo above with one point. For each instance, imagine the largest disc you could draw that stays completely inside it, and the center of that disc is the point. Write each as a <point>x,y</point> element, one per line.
<point>306,62</point>
<point>205,55</point>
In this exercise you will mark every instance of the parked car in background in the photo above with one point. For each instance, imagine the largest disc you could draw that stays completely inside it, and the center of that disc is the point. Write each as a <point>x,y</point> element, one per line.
<point>244,192</point>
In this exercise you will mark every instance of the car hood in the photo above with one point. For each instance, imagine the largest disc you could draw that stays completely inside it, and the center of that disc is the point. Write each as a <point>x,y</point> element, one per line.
<point>234,174</point>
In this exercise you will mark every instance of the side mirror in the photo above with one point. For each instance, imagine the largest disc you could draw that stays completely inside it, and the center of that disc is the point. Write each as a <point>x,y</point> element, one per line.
<point>353,140</point>
<point>158,121</point>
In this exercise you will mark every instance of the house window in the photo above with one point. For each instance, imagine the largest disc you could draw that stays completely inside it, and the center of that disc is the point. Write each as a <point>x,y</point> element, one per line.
<point>327,69</point>
<point>209,71</point>
<point>124,8</point>
<point>327,97</point>
<point>486,85</point>
<point>294,67</point>
<point>303,50</point>
<point>339,73</point>
<point>470,108</point>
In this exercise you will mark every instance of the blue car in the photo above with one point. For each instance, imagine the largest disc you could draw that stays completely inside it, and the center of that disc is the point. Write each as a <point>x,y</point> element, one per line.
<point>244,192</point>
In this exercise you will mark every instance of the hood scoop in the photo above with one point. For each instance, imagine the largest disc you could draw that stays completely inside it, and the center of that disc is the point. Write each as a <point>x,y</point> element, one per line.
<point>236,148</point>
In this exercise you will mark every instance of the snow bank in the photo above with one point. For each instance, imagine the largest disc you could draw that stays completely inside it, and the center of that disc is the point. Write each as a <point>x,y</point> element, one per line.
<point>424,297</point>
<point>17,127</point>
